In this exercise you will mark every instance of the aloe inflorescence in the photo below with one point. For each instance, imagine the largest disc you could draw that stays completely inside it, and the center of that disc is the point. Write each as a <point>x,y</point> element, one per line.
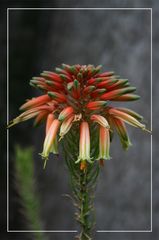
<point>77,105</point>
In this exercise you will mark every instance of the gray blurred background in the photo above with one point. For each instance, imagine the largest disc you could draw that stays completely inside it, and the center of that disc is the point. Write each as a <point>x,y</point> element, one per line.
<point>120,41</point>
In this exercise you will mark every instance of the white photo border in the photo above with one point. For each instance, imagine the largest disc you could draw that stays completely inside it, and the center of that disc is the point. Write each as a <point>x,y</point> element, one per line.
<point>69,231</point>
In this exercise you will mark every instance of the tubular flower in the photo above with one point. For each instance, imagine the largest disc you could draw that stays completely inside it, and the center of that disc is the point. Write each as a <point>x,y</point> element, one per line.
<point>128,118</point>
<point>76,99</point>
<point>104,143</point>
<point>65,126</point>
<point>50,139</point>
<point>34,102</point>
<point>96,105</point>
<point>49,121</point>
<point>122,132</point>
<point>84,143</point>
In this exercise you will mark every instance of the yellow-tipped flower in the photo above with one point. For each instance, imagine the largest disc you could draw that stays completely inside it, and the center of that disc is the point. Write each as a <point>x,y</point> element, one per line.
<point>54,147</point>
<point>84,144</point>
<point>104,143</point>
<point>65,126</point>
<point>50,138</point>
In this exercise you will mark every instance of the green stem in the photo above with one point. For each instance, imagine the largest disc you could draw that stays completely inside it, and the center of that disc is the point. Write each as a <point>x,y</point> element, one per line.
<point>83,183</point>
<point>84,208</point>
<point>84,196</point>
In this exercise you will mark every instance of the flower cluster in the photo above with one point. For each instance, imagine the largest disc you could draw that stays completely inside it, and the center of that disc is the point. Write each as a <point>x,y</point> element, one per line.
<point>80,93</point>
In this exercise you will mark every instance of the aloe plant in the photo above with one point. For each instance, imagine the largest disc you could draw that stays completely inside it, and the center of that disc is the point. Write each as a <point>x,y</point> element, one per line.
<point>76,106</point>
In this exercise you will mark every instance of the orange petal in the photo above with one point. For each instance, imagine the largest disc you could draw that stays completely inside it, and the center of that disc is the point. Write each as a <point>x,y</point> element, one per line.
<point>49,121</point>
<point>34,102</point>
<point>96,105</point>
<point>126,97</point>
<point>66,112</point>
<point>116,93</point>
<point>50,138</point>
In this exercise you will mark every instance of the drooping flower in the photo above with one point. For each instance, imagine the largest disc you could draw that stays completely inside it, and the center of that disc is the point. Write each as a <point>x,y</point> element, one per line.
<point>54,147</point>
<point>50,119</point>
<point>79,97</point>
<point>104,143</point>
<point>65,126</point>
<point>50,139</point>
<point>128,118</point>
<point>122,132</point>
<point>84,144</point>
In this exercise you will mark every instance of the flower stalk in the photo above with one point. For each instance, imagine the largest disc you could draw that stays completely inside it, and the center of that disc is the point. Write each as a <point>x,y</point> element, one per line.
<point>84,208</point>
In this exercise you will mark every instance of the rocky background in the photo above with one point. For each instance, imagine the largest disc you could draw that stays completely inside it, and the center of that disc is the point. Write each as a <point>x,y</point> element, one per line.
<point>120,40</point>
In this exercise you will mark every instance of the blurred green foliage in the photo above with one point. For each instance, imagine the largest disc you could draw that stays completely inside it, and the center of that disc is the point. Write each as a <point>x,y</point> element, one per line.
<point>25,181</point>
